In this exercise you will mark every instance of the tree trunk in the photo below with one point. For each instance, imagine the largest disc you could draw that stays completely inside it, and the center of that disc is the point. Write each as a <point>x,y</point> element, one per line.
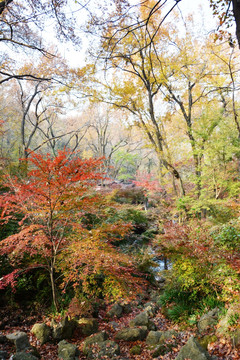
<point>236,13</point>
<point>54,295</point>
<point>4,4</point>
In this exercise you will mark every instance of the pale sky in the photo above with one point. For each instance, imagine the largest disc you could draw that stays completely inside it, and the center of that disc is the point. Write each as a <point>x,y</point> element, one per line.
<point>202,15</point>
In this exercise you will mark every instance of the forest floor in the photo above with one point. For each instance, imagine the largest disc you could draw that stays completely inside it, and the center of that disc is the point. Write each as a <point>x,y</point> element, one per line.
<point>20,320</point>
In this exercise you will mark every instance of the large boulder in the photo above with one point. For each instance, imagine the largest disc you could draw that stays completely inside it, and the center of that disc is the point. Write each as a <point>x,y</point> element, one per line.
<point>20,340</point>
<point>192,350</point>
<point>88,326</point>
<point>94,339</point>
<point>64,329</point>
<point>42,332</point>
<point>208,320</point>
<point>132,334</point>
<point>67,351</point>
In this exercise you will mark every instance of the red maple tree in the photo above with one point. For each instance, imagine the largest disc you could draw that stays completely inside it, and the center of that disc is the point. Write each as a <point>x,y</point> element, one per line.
<point>53,200</point>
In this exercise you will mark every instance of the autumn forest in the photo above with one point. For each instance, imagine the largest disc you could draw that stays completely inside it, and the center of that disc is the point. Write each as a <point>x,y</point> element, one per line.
<point>119,180</point>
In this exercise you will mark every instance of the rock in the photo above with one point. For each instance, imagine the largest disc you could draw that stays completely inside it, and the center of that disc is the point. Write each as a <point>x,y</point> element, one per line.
<point>162,350</point>
<point>33,351</point>
<point>127,308</point>
<point>3,355</point>
<point>67,351</point>
<point>208,320</point>
<point>223,325</point>
<point>97,338</point>
<point>152,326</point>
<point>159,337</point>
<point>192,350</point>
<point>150,308</point>
<point>20,340</point>
<point>132,334</point>
<point>88,326</point>
<point>24,356</point>
<point>42,332</point>
<point>64,330</point>
<point>108,350</point>
<point>116,310</point>
<point>153,337</point>
<point>141,319</point>
<point>136,350</point>
<point>3,339</point>
<point>207,339</point>
<point>236,337</point>
<point>154,295</point>
<point>166,335</point>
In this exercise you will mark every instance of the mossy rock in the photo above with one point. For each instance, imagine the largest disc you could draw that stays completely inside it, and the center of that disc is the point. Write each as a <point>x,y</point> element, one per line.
<point>94,339</point>
<point>67,351</point>
<point>116,310</point>
<point>88,326</point>
<point>141,319</point>
<point>132,334</point>
<point>232,314</point>
<point>192,350</point>
<point>162,350</point>
<point>236,337</point>
<point>42,332</point>
<point>24,356</point>
<point>64,329</point>
<point>136,350</point>
<point>206,340</point>
<point>159,337</point>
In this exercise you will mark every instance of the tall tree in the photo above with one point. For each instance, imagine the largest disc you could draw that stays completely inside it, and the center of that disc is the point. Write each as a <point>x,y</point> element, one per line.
<point>138,88</point>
